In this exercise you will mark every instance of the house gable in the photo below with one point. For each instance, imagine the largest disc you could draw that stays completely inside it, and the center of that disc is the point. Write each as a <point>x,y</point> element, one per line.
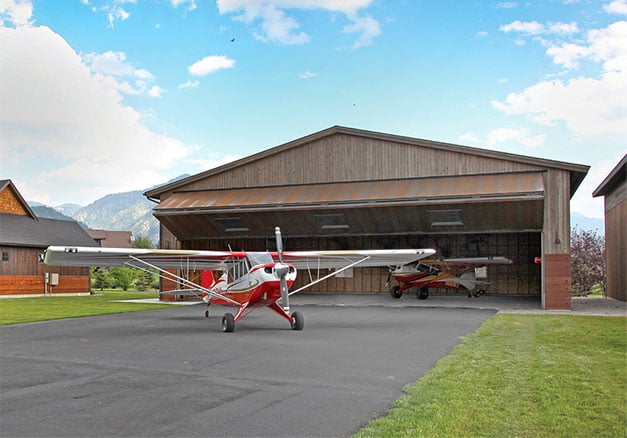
<point>12,202</point>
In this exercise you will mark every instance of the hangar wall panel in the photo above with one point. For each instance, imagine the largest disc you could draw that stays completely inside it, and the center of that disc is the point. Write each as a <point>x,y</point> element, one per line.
<point>616,250</point>
<point>343,157</point>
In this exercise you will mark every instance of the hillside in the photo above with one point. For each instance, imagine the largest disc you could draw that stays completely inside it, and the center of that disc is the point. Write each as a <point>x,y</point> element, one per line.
<point>129,211</point>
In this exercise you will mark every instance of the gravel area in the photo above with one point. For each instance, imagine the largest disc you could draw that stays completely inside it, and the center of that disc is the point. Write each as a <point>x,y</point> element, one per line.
<point>595,306</point>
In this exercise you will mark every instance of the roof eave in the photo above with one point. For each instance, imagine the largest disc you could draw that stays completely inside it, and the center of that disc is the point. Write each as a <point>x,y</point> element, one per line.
<point>612,179</point>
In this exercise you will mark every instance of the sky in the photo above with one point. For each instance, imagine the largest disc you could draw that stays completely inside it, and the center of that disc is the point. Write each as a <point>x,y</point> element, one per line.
<point>107,96</point>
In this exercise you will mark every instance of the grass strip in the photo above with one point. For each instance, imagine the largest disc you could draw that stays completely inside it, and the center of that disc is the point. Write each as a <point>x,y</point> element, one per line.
<point>21,310</point>
<point>521,375</point>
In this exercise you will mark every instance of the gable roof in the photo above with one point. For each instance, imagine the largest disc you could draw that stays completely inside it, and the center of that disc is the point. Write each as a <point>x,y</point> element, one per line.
<point>616,177</point>
<point>24,231</point>
<point>8,184</point>
<point>577,171</point>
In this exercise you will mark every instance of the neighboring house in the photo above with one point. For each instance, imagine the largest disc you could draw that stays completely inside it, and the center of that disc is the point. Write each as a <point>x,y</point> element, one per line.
<point>112,239</point>
<point>614,190</point>
<point>23,239</point>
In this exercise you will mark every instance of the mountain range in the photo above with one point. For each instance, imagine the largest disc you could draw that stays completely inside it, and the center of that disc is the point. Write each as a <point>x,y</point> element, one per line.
<point>132,211</point>
<point>128,211</point>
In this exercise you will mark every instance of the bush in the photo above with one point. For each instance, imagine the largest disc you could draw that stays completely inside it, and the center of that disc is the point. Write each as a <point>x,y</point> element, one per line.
<point>587,256</point>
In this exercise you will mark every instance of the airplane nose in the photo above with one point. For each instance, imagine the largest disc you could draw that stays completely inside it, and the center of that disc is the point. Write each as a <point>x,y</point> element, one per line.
<point>281,269</point>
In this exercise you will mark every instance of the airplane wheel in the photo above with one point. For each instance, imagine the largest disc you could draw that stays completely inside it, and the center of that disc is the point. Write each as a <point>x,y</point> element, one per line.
<point>422,293</point>
<point>298,321</point>
<point>228,323</point>
<point>479,293</point>
<point>396,292</point>
<point>206,314</point>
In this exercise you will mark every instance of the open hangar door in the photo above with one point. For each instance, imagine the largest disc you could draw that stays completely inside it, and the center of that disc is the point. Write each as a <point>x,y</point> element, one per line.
<point>464,216</point>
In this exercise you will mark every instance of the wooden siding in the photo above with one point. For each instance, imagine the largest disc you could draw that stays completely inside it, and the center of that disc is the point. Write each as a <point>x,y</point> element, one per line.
<point>616,250</point>
<point>344,157</point>
<point>10,203</point>
<point>35,285</point>
<point>556,212</point>
<point>23,274</point>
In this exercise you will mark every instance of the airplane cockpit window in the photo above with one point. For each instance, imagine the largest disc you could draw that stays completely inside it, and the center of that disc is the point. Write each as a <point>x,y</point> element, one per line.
<point>259,258</point>
<point>238,270</point>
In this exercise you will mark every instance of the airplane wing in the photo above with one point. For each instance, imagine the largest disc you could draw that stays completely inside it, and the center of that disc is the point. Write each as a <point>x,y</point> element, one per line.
<point>125,257</point>
<point>363,258</point>
<point>466,263</point>
<point>476,261</point>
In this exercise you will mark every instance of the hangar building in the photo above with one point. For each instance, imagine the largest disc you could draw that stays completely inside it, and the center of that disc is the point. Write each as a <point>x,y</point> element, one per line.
<point>614,191</point>
<point>344,188</point>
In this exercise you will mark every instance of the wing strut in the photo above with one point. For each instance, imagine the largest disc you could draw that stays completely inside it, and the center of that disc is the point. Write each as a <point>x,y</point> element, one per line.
<point>170,276</point>
<point>332,274</point>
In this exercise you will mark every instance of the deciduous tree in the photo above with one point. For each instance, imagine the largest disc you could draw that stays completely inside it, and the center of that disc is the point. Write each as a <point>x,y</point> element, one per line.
<point>587,255</point>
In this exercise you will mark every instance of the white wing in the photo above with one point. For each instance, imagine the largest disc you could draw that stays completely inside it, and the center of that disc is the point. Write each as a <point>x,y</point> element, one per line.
<point>122,257</point>
<point>365,258</point>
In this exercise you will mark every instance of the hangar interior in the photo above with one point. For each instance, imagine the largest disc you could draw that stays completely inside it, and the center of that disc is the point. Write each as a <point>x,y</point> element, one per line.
<point>344,188</point>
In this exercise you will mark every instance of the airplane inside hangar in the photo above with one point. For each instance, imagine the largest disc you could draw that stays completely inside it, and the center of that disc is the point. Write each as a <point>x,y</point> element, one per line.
<point>344,188</point>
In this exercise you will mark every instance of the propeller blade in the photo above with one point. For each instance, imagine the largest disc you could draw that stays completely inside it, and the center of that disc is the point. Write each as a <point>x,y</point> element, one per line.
<point>279,243</point>
<point>285,296</point>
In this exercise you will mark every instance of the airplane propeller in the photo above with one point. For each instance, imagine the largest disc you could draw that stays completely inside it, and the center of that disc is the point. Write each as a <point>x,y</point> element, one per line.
<point>282,270</point>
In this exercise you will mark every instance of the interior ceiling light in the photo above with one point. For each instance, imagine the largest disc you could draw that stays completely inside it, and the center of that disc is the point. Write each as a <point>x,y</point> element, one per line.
<point>439,218</point>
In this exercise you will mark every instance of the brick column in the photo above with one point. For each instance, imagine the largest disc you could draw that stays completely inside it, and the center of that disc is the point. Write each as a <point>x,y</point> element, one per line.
<point>557,278</point>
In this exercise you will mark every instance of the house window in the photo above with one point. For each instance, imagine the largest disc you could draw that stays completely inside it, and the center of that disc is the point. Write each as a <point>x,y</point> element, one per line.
<point>5,256</point>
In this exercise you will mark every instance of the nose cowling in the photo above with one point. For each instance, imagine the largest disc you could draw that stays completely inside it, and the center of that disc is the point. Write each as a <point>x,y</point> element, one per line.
<point>281,270</point>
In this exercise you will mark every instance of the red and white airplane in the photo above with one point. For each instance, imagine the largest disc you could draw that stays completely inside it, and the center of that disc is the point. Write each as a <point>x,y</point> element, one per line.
<point>457,273</point>
<point>248,280</point>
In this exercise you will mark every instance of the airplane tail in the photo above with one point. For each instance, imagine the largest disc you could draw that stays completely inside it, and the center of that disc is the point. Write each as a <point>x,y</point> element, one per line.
<point>207,281</point>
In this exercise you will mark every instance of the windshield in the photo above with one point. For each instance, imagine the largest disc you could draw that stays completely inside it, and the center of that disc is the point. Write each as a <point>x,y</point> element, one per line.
<point>259,258</point>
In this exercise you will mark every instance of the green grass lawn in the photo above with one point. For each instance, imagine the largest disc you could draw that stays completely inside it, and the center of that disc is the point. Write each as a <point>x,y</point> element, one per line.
<point>522,375</point>
<point>19,310</point>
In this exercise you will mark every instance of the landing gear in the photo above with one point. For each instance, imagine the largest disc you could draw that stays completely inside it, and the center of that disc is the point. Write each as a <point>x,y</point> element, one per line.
<point>396,292</point>
<point>479,292</point>
<point>298,321</point>
<point>422,293</point>
<point>228,323</point>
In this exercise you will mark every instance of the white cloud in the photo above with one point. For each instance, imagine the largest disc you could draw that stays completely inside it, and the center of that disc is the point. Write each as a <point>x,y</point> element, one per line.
<point>587,105</point>
<point>15,13</point>
<point>366,27</point>
<point>113,69</point>
<point>191,4</point>
<point>528,27</point>
<point>278,27</point>
<point>210,64</point>
<point>520,136</point>
<point>70,124</point>
<point>189,84</point>
<point>507,5</point>
<point>115,13</point>
<point>563,28</point>
<point>156,91</point>
<point>308,74</point>
<point>616,7</point>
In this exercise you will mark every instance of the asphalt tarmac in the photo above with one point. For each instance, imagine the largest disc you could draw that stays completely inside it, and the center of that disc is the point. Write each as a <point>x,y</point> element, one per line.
<point>172,372</point>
